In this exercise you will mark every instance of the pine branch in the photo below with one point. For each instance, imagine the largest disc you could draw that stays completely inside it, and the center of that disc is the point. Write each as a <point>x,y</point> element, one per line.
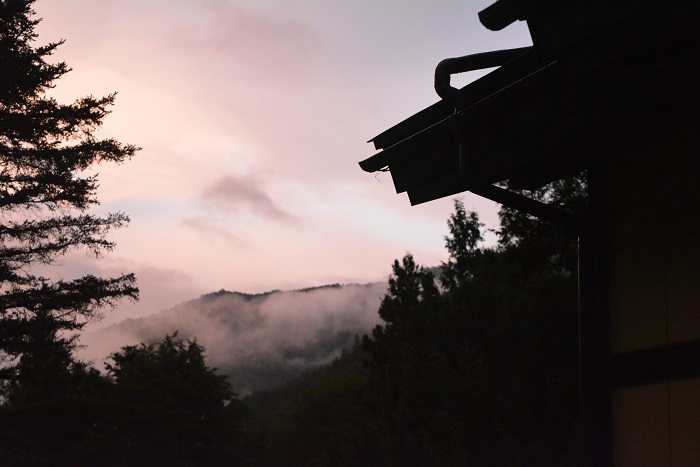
<point>41,241</point>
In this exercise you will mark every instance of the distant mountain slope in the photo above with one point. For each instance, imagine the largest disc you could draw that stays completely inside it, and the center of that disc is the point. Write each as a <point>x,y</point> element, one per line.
<point>261,340</point>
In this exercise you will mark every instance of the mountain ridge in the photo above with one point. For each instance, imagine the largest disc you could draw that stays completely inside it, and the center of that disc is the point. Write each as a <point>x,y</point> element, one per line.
<point>258,340</point>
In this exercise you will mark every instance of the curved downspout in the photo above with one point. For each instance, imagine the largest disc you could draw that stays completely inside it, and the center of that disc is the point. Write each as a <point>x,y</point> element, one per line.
<point>452,95</point>
<point>451,66</point>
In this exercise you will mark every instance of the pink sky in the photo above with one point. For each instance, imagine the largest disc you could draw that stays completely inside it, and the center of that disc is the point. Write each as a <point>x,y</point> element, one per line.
<point>252,116</point>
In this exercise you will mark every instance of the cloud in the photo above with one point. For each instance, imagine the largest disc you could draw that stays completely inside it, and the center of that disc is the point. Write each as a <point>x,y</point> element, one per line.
<point>232,193</point>
<point>252,39</point>
<point>160,287</point>
<point>207,227</point>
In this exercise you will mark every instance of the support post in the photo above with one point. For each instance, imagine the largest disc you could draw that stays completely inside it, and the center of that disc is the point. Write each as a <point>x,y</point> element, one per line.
<point>594,331</point>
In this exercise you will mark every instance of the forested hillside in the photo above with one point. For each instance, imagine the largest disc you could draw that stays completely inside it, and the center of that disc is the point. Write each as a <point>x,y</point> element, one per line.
<point>259,340</point>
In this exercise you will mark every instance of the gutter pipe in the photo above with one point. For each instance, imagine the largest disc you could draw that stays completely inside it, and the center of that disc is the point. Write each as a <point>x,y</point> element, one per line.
<point>451,66</point>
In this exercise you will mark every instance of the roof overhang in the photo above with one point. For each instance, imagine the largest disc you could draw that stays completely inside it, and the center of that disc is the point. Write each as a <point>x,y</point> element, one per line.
<point>542,115</point>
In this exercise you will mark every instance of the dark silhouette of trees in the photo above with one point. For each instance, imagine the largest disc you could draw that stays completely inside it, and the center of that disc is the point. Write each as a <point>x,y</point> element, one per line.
<point>463,246</point>
<point>46,151</point>
<point>169,408</point>
<point>158,404</point>
<point>50,421</point>
<point>486,372</point>
<point>482,371</point>
<point>328,425</point>
<point>544,245</point>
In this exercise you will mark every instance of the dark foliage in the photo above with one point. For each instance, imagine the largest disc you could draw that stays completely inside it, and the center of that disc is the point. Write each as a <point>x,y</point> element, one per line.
<point>486,373</point>
<point>47,423</point>
<point>46,149</point>
<point>482,373</point>
<point>169,408</point>
<point>319,419</point>
<point>158,405</point>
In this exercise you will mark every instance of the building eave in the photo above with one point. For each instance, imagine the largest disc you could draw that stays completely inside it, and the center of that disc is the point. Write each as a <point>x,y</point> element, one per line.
<point>519,121</point>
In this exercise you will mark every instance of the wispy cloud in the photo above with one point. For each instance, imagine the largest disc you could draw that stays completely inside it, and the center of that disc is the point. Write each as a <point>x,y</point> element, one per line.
<point>160,287</point>
<point>207,227</point>
<point>256,40</point>
<point>233,193</point>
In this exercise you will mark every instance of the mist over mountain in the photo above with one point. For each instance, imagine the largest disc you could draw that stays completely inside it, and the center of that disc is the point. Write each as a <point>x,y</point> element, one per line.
<point>260,340</point>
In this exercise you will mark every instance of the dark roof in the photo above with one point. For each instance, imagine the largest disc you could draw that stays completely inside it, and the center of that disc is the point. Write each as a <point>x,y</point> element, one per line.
<point>594,67</point>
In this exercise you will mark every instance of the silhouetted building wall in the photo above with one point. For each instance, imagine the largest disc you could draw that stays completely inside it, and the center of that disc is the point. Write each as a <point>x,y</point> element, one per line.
<point>654,286</point>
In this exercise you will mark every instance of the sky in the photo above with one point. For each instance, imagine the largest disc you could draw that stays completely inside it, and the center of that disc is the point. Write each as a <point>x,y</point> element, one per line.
<point>252,116</point>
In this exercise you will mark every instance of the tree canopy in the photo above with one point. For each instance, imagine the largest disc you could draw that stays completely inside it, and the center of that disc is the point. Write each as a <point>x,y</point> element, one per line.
<point>486,372</point>
<point>169,407</point>
<point>47,150</point>
<point>158,404</point>
<point>480,371</point>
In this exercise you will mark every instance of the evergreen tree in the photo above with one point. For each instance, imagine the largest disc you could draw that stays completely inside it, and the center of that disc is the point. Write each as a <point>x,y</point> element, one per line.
<point>462,245</point>
<point>484,373</point>
<point>46,151</point>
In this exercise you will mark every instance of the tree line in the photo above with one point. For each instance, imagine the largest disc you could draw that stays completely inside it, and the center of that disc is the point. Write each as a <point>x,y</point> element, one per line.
<point>477,366</point>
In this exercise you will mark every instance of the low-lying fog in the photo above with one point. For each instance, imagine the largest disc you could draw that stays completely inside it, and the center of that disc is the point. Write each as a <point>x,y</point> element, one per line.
<point>258,340</point>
